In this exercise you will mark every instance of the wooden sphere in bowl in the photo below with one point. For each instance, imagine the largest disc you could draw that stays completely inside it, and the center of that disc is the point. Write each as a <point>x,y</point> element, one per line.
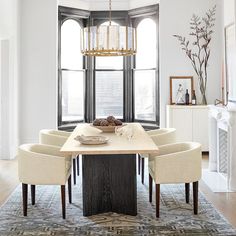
<point>107,125</point>
<point>107,129</point>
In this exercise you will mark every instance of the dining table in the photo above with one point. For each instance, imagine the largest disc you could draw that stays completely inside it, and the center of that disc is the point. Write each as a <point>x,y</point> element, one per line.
<point>109,179</point>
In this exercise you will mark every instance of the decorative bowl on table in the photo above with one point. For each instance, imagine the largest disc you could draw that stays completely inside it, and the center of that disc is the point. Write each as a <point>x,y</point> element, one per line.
<point>91,140</point>
<point>107,125</point>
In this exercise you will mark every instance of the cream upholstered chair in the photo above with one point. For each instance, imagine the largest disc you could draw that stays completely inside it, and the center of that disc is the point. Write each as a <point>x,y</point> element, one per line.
<point>160,137</point>
<point>58,138</point>
<point>163,136</point>
<point>176,163</point>
<point>43,165</point>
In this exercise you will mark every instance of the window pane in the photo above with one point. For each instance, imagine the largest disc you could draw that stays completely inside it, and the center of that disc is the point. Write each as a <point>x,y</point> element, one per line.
<point>146,45</point>
<point>109,93</point>
<point>71,57</point>
<point>145,95</point>
<point>72,96</point>
<point>113,63</point>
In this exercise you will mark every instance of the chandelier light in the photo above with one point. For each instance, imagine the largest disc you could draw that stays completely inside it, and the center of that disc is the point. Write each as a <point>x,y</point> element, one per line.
<point>108,40</point>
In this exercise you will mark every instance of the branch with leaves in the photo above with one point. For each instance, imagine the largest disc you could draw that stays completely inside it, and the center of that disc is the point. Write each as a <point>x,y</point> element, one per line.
<point>198,51</point>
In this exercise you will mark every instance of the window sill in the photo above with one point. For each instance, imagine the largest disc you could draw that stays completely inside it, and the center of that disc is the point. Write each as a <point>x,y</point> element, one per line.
<point>149,126</point>
<point>68,127</point>
<point>71,127</point>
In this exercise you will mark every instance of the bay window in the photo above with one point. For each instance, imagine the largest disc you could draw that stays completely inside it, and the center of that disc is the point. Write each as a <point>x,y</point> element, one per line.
<point>96,87</point>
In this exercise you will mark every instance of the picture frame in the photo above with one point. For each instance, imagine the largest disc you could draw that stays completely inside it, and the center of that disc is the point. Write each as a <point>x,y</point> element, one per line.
<point>230,63</point>
<point>186,82</point>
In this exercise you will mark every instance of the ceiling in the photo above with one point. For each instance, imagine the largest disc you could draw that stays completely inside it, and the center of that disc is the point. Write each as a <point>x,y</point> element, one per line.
<point>98,5</point>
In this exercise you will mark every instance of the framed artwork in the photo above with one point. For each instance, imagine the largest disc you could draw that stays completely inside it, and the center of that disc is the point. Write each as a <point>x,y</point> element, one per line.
<point>178,87</point>
<point>230,61</point>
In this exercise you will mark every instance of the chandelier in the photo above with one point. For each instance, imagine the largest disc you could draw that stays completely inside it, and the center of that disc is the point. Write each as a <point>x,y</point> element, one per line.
<point>108,40</point>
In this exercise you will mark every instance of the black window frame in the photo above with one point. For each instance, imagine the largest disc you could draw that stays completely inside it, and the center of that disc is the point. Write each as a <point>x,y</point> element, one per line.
<point>80,16</point>
<point>85,18</point>
<point>136,16</point>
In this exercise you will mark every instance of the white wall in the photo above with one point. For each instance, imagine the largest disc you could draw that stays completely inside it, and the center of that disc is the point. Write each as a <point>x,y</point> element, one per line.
<point>229,12</point>
<point>174,19</point>
<point>230,18</point>
<point>38,82</point>
<point>7,18</point>
<point>9,38</point>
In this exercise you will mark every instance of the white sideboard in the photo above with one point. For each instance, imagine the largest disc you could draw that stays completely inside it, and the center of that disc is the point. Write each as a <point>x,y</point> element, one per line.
<point>191,123</point>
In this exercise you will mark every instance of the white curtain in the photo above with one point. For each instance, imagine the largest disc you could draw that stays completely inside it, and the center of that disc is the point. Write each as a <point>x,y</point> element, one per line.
<point>8,99</point>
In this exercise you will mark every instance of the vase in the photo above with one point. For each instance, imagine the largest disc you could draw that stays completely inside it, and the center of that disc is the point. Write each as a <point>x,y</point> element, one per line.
<point>203,99</point>
<point>202,88</point>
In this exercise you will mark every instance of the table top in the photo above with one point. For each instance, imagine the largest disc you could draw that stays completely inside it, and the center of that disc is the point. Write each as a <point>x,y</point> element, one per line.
<point>139,143</point>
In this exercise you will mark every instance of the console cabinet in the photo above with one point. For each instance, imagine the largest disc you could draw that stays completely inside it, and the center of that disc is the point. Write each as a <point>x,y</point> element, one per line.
<point>191,123</point>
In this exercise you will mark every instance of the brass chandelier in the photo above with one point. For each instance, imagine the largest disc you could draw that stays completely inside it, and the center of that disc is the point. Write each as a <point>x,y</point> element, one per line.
<point>111,40</point>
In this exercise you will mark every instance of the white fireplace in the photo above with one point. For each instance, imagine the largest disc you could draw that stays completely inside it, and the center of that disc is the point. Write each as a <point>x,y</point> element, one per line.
<point>222,143</point>
<point>221,174</point>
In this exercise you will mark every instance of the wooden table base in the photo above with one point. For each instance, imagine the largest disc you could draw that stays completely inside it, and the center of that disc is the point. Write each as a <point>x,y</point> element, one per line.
<point>109,184</point>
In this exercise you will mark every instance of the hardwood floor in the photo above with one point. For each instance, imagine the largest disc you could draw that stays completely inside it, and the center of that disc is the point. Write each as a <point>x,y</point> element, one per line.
<point>225,203</point>
<point>8,179</point>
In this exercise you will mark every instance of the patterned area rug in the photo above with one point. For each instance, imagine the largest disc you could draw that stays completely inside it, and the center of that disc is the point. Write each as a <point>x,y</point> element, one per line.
<point>176,217</point>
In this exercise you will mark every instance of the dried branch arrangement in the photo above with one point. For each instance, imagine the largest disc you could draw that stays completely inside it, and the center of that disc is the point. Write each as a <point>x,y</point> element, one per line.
<point>198,51</point>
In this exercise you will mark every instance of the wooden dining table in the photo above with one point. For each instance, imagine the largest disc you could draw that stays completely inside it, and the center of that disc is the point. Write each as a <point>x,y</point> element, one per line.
<point>109,180</point>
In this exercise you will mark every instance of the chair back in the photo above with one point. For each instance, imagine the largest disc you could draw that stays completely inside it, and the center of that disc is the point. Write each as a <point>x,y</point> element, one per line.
<point>164,136</point>
<point>177,163</point>
<point>40,164</point>
<point>53,137</point>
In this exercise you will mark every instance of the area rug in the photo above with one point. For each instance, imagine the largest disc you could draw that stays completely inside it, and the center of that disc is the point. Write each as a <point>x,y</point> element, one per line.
<point>176,217</point>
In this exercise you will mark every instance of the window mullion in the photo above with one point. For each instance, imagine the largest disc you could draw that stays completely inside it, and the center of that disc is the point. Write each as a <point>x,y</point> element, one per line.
<point>89,90</point>
<point>128,90</point>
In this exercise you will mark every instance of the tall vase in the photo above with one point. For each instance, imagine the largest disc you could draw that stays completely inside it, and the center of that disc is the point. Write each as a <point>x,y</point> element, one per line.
<point>202,87</point>
<point>203,99</point>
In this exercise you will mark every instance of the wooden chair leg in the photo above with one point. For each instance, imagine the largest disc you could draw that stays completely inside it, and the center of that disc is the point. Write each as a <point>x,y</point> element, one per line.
<point>33,194</point>
<point>63,201</point>
<point>77,158</point>
<point>195,198</point>
<point>69,189</point>
<point>142,166</point>
<point>139,163</point>
<point>157,200</point>
<point>187,187</point>
<point>150,188</point>
<point>74,170</point>
<point>25,198</point>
